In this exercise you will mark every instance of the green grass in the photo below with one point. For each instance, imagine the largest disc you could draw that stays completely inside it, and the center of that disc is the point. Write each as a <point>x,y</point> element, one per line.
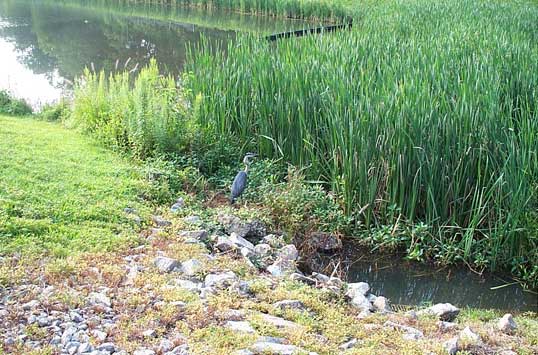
<point>60,193</point>
<point>425,112</point>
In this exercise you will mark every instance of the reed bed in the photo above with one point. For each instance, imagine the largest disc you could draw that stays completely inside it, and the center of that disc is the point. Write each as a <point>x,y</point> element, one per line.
<point>315,10</point>
<point>427,111</point>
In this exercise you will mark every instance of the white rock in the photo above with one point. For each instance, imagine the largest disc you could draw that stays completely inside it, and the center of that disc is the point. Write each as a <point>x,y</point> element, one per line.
<point>191,267</point>
<point>188,285</point>
<point>507,324</point>
<point>239,326</point>
<point>144,352</point>
<point>361,302</point>
<point>196,220</point>
<point>381,304</point>
<point>469,336</point>
<point>30,305</point>
<point>357,288</point>
<point>444,311</point>
<point>348,344</point>
<point>149,333</point>
<point>99,335</point>
<point>221,280</point>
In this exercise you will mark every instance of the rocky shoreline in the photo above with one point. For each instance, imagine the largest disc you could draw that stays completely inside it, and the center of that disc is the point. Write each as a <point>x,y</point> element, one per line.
<point>155,297</point>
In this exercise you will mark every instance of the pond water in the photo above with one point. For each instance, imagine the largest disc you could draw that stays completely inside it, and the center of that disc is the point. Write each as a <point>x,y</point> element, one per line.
<point>45,45</point>
<point>411,283</point>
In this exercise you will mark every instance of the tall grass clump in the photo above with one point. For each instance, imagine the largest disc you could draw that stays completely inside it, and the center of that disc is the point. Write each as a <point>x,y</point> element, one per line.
<point>427,112</point>
<point>144,114</point>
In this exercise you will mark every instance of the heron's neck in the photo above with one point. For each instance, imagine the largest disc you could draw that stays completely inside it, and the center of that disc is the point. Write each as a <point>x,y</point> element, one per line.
<point>246,168</point>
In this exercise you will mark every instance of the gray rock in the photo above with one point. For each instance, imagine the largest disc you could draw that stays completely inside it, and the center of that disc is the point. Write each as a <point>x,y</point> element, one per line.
<point>233,224</point>
<point>224,244</point>
<point>188,285</point>
<point>97,298</point>
<point>410,332</point>
<point>200,235</point>
<point>68,334</point>
<point>239,326</point>
<point>165,264</point>
<point>280,323</point>
<point>325,242</point>
<point>84,348</point>
<point>110,347</point>
<point>220,280</point>
<point>30,305</point>
<point>451,346</point>
<point>348,344</point>
<point>289,304</point>
<point>43,321</point>
<point>288,253</point>
<point>361,302</point>
<point>507,324</point>
<point>160,222</point>
<point>144,352</point>
<point>9,341</point>
<point>191,267</point>
<point>382,305</point>
<point>240,242</point>
<point>75,317</point>
<point>72,347</point>
<point>274,241</point>
<point>282,268</point>
<point>321,277</point>
<point>263,250</point>
<point>443,311</point>
<point>178,205</point>
<point>276,349</point>
<point>196,220</point>
<point>31,319</point>
<point>357,288</point>
<point>55,340</point>
<point>165,345</point>
<point>301,278</point>
<point>268,339</point>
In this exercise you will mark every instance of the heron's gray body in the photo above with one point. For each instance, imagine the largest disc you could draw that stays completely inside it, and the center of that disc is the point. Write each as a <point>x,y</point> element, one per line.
<point>239,185</point>
<point>240,181</point>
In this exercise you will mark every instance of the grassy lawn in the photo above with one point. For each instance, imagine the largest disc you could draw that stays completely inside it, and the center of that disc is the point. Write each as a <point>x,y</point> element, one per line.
<point>60,193</point>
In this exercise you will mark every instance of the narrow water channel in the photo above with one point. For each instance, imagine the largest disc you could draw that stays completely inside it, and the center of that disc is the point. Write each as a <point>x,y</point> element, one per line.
<point>410,283</point>
<point>45,45</point>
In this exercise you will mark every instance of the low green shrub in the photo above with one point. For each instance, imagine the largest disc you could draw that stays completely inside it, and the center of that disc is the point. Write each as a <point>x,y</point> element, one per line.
<point>59,111</point>
<point>12,106</point>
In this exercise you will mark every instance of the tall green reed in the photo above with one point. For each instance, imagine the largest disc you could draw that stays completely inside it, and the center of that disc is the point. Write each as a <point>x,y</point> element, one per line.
<point>427,107</point>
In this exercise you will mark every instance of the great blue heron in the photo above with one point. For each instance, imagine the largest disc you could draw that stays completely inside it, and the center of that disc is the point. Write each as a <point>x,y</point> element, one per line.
<point>240,181</point>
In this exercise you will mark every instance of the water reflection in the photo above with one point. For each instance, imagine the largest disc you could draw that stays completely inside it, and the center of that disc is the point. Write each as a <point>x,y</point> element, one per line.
<point>44,42</point>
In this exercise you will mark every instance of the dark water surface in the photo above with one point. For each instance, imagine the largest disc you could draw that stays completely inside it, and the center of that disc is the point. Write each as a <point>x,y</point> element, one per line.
<point>411,283</point>
<point>44,45</point>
